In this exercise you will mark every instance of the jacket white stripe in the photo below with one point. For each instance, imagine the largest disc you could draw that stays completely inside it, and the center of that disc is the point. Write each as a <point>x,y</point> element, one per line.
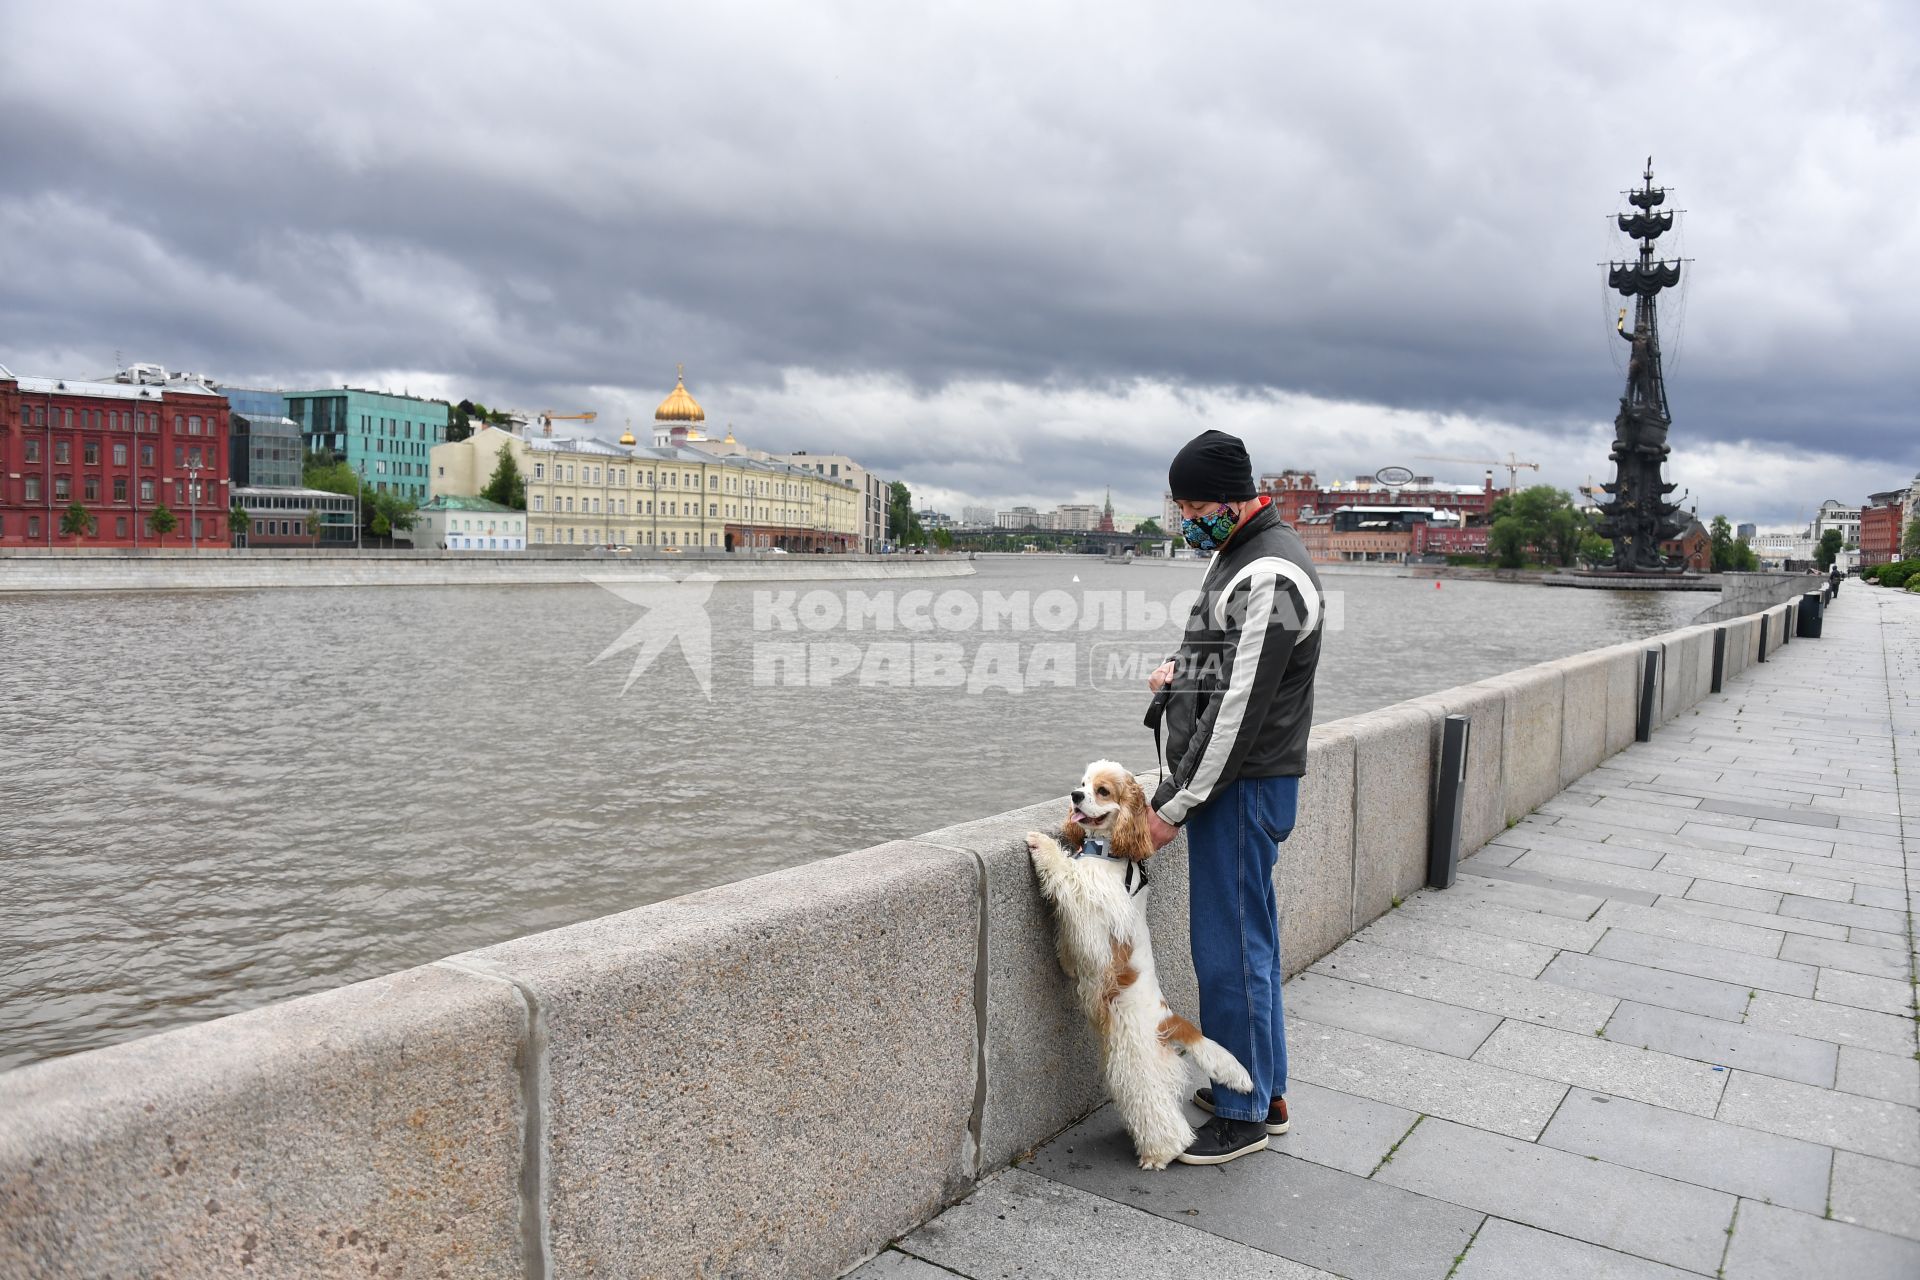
<point>1231,718</point>
<point>1309,598</point>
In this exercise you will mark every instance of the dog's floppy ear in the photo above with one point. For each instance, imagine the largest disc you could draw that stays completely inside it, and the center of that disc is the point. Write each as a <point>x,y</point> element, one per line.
<point>1131,838</point>
<point>1073,835</point>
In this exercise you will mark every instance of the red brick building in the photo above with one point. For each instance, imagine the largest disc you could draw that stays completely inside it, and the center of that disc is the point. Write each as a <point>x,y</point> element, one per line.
<point>1449,540</point>
<point>121,450</point>
<point>1694,546</point>
<point>1882,521</point>
<point>1298,494</point>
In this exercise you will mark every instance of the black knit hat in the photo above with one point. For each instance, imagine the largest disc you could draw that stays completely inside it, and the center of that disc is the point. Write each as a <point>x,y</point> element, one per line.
<point>1211,467</point>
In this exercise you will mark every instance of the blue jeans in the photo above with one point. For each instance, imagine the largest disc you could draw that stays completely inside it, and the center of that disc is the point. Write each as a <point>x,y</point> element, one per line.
<point>1233,842</point>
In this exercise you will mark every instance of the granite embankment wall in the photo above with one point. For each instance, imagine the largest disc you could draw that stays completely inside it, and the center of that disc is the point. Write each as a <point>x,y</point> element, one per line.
<point>1744,593</point>
<point>245,570</point>
<point>774,1077</point>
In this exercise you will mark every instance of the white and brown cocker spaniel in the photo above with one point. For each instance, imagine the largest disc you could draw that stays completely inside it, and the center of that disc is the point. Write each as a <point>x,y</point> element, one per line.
<point>1098,887</point>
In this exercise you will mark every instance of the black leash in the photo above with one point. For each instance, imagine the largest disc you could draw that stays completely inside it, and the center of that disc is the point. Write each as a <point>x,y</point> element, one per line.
<point>1156,710</point>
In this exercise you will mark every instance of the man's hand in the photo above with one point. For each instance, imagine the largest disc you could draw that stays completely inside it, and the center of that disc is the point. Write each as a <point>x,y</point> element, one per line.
<point>1159,831</point>
<point>1160,678</point>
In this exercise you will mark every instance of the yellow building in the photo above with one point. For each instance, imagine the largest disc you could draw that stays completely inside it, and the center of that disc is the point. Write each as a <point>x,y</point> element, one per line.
<point>461,469</point>
<point>586,492</point>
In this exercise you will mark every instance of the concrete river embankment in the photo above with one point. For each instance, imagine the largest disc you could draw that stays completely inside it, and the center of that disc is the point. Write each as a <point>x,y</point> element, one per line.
<point>253,570</point>
<point>773,1077</point>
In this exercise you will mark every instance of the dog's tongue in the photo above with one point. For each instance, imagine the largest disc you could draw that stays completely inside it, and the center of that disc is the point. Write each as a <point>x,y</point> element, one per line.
<point>1079,816</point>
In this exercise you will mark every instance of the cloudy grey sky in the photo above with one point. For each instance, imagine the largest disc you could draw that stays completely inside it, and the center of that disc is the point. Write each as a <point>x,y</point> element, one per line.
<point>1007,252</point>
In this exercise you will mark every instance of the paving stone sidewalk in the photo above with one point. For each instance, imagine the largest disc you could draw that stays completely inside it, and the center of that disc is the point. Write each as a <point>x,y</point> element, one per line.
<point>1662,1027</point>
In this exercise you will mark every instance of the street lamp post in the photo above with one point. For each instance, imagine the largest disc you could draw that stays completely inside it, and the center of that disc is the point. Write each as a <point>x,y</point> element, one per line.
<point>193,502</point>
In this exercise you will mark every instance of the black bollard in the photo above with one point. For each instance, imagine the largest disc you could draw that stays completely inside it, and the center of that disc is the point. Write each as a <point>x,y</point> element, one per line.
<point>1449,803</point>
<point>1809,617</point>
<point>1649,690</point>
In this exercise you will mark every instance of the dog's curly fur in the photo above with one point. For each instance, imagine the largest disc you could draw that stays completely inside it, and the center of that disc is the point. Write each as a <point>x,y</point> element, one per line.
<point>1105,948</point>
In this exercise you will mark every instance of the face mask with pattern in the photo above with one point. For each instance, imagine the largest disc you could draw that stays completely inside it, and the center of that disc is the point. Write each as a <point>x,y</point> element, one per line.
<point>1208,532</point>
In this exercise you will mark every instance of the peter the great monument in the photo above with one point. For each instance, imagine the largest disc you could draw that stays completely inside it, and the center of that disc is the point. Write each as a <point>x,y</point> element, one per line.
<point>1640,518</point>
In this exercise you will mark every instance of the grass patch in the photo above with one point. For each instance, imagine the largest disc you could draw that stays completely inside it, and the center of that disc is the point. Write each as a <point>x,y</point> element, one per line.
<point>1387,1159</point>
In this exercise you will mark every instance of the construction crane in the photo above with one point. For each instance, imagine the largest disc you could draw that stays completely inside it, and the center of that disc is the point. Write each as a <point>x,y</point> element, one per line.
<point>1511,462</point>
<point>548,417</point>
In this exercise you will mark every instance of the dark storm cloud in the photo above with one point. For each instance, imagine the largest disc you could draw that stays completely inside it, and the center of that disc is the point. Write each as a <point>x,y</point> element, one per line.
<point>1394,204</point>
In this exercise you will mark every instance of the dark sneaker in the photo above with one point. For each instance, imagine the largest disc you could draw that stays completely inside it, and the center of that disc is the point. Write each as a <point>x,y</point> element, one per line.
<point>1277,1122</point>
<point>1220,1140</point>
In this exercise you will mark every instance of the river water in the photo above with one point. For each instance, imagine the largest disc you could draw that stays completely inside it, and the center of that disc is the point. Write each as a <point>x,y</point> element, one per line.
<point>213,800</point>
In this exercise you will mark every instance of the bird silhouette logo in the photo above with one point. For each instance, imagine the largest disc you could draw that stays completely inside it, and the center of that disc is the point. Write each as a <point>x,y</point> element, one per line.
<point>676,610</point>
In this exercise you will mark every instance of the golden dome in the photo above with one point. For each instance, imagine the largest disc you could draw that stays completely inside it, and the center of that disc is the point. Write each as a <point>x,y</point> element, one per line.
<point>679,406</point>
<point>626,437</point>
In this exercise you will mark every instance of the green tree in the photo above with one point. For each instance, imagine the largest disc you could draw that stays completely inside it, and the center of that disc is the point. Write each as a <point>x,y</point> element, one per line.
<point>1745,558</point>
<point>315,523</point>
<point>1508,540</point>
<point>325,472</point>
<point>900,517</point>
<point>459,421</point>
<point>237,519</point>
<point>1910,544</point>
<point>1540,518</point>
<point>1830,543</point>
<point>1149,528</point>
<point>1720,537</point>
<point>381,526</point>
<point>943,539</point>
<point>76,521</point>
<point>1595,549</point>
<point>392,510</point>
<point>161,521</point>
<point>506,486</point>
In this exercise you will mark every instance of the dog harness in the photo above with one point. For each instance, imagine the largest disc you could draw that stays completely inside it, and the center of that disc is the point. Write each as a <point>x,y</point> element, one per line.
<point>1093,846</point>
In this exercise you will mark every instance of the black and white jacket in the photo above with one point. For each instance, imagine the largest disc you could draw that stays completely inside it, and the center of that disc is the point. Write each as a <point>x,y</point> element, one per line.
<point>1241,700</point>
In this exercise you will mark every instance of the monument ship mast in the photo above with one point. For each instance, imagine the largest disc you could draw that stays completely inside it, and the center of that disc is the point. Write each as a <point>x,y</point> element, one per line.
<point>1640,518</point>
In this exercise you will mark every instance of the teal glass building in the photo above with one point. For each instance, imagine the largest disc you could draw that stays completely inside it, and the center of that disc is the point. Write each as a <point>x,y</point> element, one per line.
<point>385,438</point>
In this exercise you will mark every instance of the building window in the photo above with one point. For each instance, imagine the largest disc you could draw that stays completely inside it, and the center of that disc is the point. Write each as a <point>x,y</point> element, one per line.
<point>33,489</point>
<point>90,488</point>
<point>713,508</point>
<point>539,535</point>
<point>120,526</point>
<point>259,526</point>
<point>193,456</point>
<point>146,491</point>
<point>61,451</point>
<point>146,455</point>
<point>119,454</point>
<point>33,450</point>
<point>90,453</point>
<point>61,488</point>
<point>119,488</point>
<point>179,455</point>
<point>179,424</point>
<point>33,526</point>
<point>539,471</point>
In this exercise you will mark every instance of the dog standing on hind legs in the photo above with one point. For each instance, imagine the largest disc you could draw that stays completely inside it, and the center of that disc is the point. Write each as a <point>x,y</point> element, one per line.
<point>1098,887</point>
